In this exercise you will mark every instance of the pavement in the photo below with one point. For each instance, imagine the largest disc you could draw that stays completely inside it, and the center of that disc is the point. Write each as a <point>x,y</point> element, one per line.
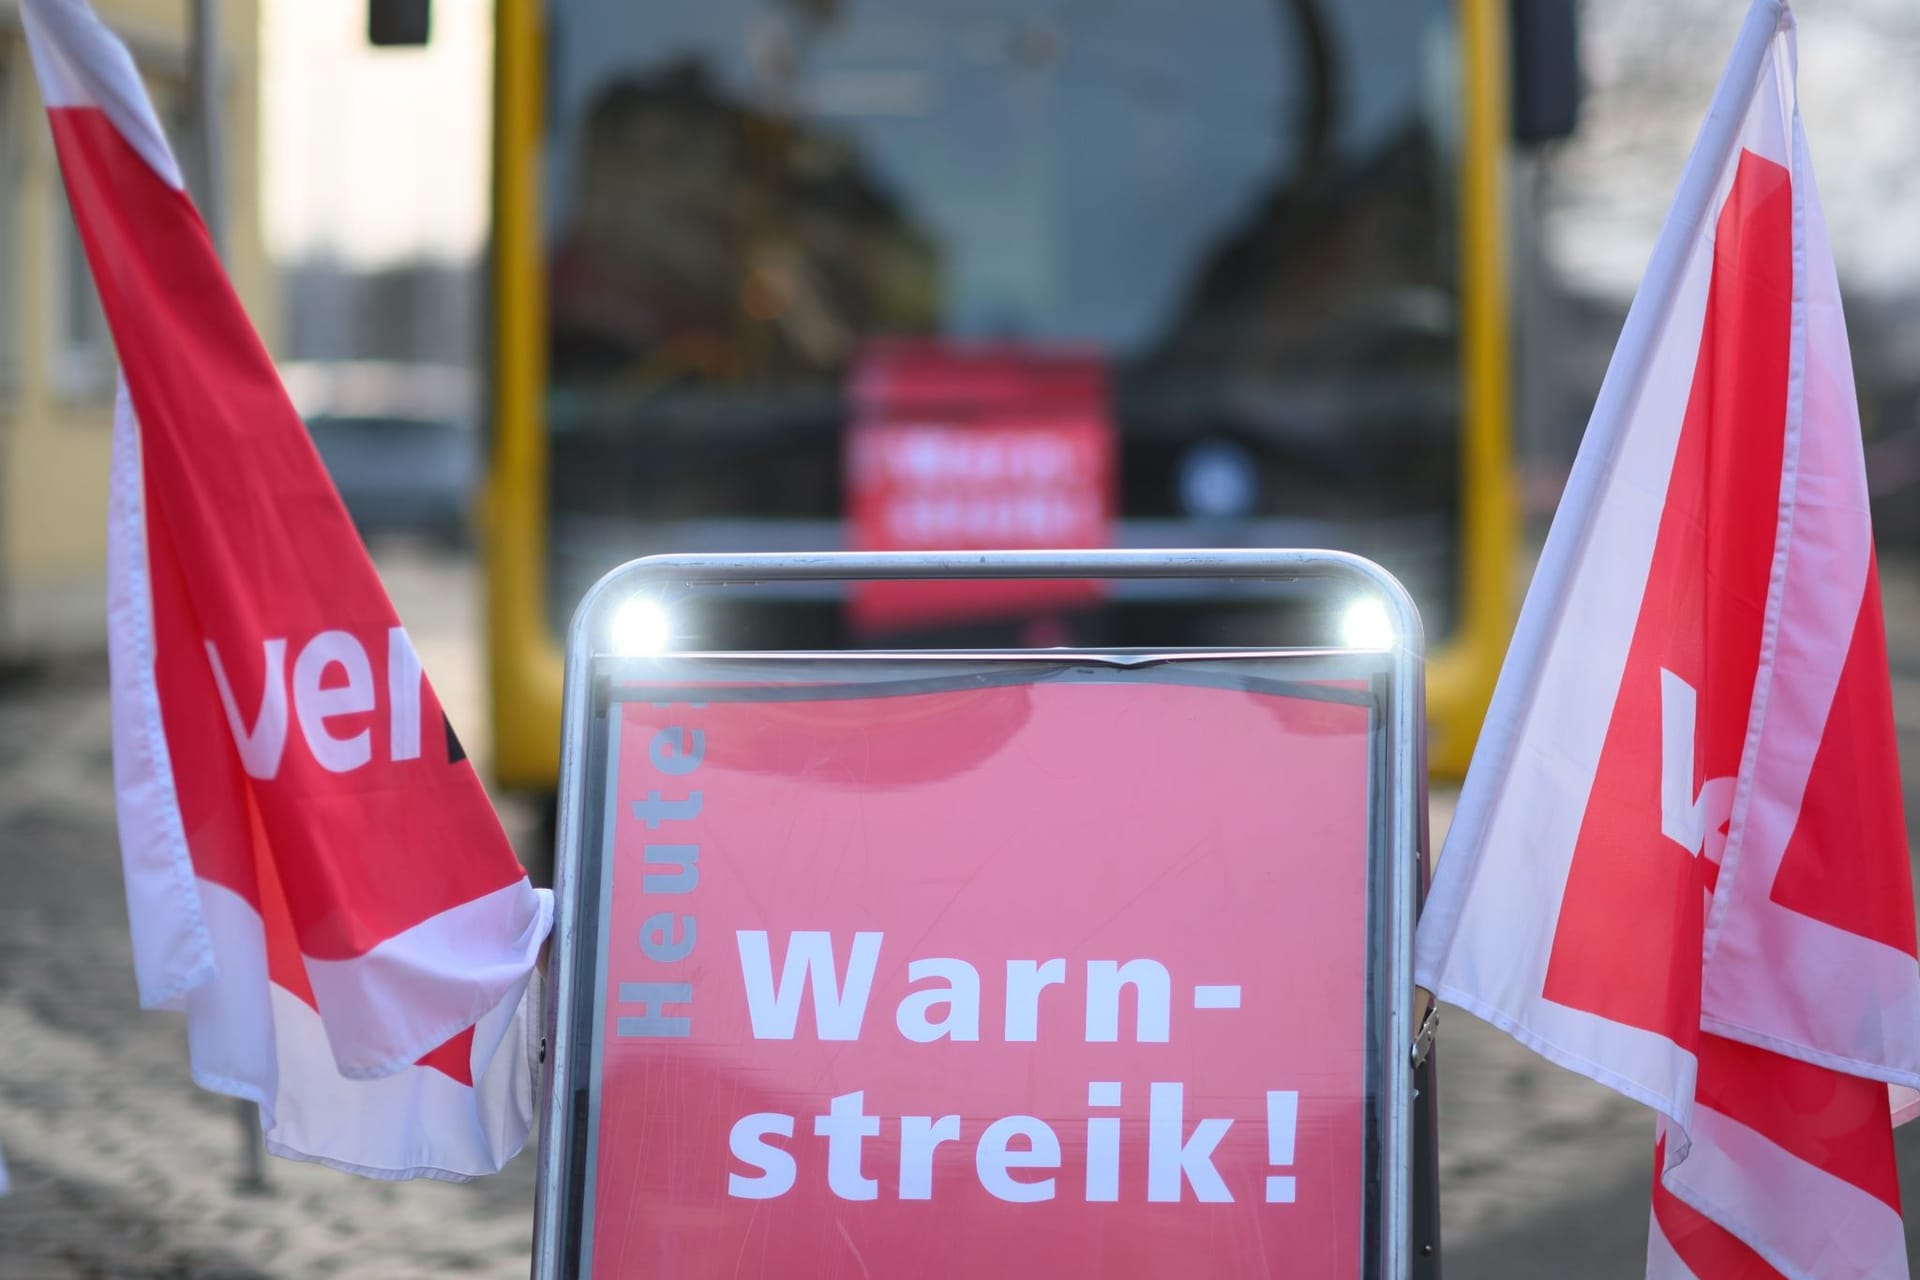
<point>122,1169</point>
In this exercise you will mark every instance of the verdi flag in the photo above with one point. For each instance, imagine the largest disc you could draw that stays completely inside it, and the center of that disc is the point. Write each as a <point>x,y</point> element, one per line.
<point>313,872</point>
<point>1679,864</point>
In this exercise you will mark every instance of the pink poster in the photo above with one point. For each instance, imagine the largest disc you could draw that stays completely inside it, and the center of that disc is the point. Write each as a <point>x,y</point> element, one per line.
<point>1026,979</point>
<point>960,448</point>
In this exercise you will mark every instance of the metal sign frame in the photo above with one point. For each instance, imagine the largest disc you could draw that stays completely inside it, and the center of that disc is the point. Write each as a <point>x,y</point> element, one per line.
<point>1405,1240</point>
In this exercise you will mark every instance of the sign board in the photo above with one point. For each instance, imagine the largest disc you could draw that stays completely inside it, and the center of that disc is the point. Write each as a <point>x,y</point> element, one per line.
<point>976,448</point>
<point>1021,963</point>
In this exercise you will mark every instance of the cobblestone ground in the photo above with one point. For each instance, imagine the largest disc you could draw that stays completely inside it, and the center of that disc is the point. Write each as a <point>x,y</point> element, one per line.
<point>122,1169</point>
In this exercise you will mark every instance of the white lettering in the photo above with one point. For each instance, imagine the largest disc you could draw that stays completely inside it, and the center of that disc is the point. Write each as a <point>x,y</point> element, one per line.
<point>1170,1160</point>
<point>315,705</point>
<point>1153,1000</point>
<point>961,996</point>
<point>403,696</point>
<point>993,1158</point>
<point>1175,1159</point>
<point>262,745</point>
<point>837,1011</point>
<point>950,1007</point>
<point>845,1126</point>
<point>919,1135</point>
<point>750,1146</point>
<point>1103,1143</point>
<point>1026,979</point>
<point>1695,823</point>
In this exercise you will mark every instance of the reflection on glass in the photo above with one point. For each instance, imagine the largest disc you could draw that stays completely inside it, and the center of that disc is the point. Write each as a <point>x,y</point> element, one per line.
<point>1244,207</point>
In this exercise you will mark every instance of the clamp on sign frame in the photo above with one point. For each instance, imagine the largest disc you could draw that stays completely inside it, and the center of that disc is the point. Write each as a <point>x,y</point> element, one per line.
<point>1404,1242</point>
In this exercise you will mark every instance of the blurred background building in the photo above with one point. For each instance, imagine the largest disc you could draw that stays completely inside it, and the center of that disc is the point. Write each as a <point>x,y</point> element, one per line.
<point>1649,68</point>
<point>358,222</point>
<point>56,358</point>
<point>356,191</point>
<point>375,182</point>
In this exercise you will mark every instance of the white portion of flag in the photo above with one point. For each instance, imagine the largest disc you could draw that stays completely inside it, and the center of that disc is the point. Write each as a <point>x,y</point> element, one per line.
<point>1832,1229</point>
<point>172,952</point>
<point>251,1039</point>
<point>1688,659</point>
<point>490,941</point>
<point>79,63</point>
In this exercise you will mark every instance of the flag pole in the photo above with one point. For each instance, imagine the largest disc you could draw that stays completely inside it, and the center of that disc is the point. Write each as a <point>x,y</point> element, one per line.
<point>204,65</point>
<point>207,87</point>
<point>1718,135</point>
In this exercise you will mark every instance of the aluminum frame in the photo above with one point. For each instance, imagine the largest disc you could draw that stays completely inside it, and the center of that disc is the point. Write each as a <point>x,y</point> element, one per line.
<point>1403,725</point>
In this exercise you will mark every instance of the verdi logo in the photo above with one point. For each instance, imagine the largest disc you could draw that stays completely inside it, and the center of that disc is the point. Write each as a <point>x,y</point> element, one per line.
<point>333,696</point>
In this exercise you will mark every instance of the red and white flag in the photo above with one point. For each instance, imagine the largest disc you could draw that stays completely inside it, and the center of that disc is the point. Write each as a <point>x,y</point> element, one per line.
<point>313,871</point>
<point>1679,864</point>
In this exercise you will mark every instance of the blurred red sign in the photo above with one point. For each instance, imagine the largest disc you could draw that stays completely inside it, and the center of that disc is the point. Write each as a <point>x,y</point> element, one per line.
<point>976,449</point>
<point>1033,979</point>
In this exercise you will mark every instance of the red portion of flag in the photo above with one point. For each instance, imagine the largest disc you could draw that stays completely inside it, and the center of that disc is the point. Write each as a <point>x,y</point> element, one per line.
<point>1835,1122</point>
<point>1847,863</point>
<point>1709,1249</point>
<point>313,876</point>
<point>256,565</point>
<point>281,590</point>
<point>287,969</point>
<point>1700,620</point>
<point>1832,1121</point>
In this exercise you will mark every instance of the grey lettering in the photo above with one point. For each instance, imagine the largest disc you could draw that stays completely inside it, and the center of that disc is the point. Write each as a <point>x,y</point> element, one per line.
<point>655,809</point>
<point>653,996</point>
<point>669,753</point>
<point>658,937</point>
<point>684,856</point>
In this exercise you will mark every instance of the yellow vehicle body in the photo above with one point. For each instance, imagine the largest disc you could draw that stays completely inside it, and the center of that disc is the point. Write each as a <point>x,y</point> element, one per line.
<point>524,649</point>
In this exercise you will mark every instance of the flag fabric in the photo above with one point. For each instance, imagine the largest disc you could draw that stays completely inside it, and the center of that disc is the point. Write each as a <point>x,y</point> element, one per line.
<point>1679,863</point>
<point>313,871</point>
